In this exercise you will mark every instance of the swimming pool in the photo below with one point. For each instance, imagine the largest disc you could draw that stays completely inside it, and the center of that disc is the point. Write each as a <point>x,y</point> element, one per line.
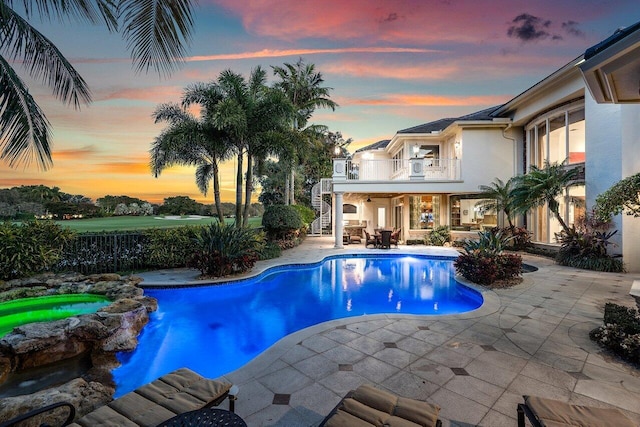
<point>217,329</point>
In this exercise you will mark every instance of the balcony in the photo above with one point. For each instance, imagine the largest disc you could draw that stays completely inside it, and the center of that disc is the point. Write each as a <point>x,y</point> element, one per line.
<point>396,170</point>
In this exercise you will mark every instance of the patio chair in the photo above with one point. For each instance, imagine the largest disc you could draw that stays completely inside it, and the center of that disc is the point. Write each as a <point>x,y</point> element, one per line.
<point>175,393</point>
<point>370,240</point>
<point>369,406</point>
<point>385,239</point>
<point>395,236</point>
<point>546,412</point>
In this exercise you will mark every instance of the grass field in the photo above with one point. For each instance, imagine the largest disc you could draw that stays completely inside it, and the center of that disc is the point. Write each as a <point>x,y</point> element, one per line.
<point>124,223</point>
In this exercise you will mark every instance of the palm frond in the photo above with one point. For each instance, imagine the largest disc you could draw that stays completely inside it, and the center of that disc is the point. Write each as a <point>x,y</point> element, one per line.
<point>92,11</point>
<point>24,130</point>
<point>42,59</point>
<point>156,32</point>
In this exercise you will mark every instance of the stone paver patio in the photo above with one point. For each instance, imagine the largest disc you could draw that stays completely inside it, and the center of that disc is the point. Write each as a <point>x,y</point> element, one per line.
<point>528,339</point>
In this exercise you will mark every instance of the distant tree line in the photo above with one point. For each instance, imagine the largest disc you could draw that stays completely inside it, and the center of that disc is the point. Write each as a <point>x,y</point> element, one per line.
<point>39,201</point>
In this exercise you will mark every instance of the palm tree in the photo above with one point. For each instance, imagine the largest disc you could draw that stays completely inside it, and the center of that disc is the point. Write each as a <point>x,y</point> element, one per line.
<point>189,141</point>
<point>251,115</point>
<point>303,86</point>
<point>498,197</point>
<point>543,186</point>
<point>156,32</point>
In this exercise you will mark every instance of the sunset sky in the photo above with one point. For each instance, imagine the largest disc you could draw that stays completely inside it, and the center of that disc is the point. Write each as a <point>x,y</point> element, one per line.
<point>392,64</point>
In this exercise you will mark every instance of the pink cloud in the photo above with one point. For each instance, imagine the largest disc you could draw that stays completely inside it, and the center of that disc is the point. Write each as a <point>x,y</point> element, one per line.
<point>426,100</point>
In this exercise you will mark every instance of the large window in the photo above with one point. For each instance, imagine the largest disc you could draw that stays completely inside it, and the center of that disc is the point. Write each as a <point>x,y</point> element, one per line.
<point>557,137</point>
<point>468,213</point>
<point>425,211</point>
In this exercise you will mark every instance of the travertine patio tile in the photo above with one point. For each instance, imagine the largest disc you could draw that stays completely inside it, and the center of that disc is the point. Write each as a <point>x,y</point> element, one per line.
<point>319,343</point>
<point>415,346</point>
<point>385,335</point>
<point>478,337</point>
<point>316,367</point>
<point>364,328</point>
<point>503,360</point>
<point>475,389</point>
<point>451,327</point>
<point>464,347</point>
<point>287,380</point>
<point>366,345</point>
<point>556,361</point>
<point>431,371</point>
<point>342,381</point>
<point>395,356</point>
<point>448,358</point>
<point>497,419</point>
<point>315,397</point>
<point>524,385</point>
<point>563,349</point>
<point>408,385</point>
<point>629,381</point>
<point>610,393</point>
<point>344,354</point>
<point>342,336</point>
<point>432,337</point>
<point>507,403</point>
<point>518,345</point>
<point>549,375</point>
<point>297,353</point>
<point>253,397</point>
<point>493,374</point>
<point>270,416</point>
<point>457,408</point>
<point>405,327</point>
<point>375,370</point>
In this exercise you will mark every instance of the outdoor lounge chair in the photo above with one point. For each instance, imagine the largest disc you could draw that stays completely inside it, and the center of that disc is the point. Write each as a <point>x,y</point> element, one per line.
<point>395,236</point>
<point>175,393</point>
<point>368,406</point>
<point>547,412</point>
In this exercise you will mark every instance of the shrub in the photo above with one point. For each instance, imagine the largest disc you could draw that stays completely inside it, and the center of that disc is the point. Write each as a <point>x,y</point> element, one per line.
<point>438,236</point>
<point>225,249</point>
<point>281,221</point>
<point>620,332</point>
<point>171,247</point>
<point>584,245</point>
<point>484,262</point>
<point>271,250</point>
<point>306,214</point>
<point>33,247</point>
<point>521,238</point>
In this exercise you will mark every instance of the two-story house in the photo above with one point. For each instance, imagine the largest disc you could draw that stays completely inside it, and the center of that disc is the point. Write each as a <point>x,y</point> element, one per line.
<point>428,175</point>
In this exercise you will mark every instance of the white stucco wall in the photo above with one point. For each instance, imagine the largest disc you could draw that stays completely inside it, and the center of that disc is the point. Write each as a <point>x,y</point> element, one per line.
<point>630,166</point>
<point>486,155</point>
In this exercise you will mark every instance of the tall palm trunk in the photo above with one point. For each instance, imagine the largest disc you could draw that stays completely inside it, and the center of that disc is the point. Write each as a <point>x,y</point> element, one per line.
<point>248,190</point>
<point>292,192</point>
<point>216,192</point>
<point>286,189</point>
<point>239,190</point>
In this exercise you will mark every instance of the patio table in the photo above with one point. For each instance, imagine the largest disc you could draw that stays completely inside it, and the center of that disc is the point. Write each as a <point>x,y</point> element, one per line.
<point>206,417</point>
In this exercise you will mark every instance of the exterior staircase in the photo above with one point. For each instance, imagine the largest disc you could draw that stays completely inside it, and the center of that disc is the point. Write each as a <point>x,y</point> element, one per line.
<point>323,220</point>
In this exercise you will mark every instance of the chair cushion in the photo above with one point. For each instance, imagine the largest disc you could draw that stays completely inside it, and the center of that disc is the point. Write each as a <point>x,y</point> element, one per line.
<point>553,413</point>
<point>369,406</point>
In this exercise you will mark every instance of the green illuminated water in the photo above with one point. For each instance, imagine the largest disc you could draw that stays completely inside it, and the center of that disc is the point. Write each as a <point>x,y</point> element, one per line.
<point>45,309</point>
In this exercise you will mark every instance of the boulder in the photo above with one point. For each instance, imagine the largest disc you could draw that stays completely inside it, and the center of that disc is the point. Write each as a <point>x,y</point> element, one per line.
<point>84,396</point>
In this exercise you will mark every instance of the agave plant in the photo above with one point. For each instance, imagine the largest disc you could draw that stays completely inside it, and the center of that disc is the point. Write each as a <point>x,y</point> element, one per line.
<point>490,242</point>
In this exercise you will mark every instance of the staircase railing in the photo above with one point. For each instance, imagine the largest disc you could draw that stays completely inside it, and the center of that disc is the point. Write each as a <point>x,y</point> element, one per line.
<point>322,207</point>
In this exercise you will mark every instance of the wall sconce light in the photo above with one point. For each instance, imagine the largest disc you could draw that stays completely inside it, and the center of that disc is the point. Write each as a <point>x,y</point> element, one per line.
<point>336,150</point>
<point>416,150</point>
<point>368,199</point>
<point>457,145</point>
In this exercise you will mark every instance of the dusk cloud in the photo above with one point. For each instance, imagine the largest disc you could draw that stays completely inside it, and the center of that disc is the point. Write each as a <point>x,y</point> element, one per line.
<point>529,28</point>
<point>571,28</point>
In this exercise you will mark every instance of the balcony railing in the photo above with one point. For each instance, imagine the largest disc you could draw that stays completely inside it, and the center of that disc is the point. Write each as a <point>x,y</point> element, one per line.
<point>397,170</point>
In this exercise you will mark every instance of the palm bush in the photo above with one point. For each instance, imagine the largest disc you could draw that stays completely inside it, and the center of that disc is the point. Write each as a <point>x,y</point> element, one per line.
<point>223,249</point>
<point>483,260</point>
<point>438,236</point>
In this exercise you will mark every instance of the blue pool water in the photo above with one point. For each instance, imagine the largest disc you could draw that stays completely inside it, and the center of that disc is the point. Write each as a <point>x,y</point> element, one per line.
<point>217,329</point>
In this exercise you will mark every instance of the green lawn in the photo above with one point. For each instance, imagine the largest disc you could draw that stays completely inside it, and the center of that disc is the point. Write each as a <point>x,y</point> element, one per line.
<point>138,223</point>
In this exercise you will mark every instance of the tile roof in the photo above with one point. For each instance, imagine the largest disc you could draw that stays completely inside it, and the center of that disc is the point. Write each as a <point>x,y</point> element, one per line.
<point>618,35</point>
<point>375,146</point>
<point>442,124</point>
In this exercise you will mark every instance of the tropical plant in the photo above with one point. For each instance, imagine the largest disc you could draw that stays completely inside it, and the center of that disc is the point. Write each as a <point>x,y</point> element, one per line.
<point>438,236</point>
<point>156,32</point>
<point>223,249</point>
<point>30,248</point>
<point>497,197</point>
<point>302,85</point>
<point>543,186</point>
<point>624,196</point>
<point>585,245</point>
<point>483,260</point>
<point>170,247</point>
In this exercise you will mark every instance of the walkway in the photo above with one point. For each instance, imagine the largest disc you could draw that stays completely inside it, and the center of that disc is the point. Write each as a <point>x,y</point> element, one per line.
<point>528,339</point>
